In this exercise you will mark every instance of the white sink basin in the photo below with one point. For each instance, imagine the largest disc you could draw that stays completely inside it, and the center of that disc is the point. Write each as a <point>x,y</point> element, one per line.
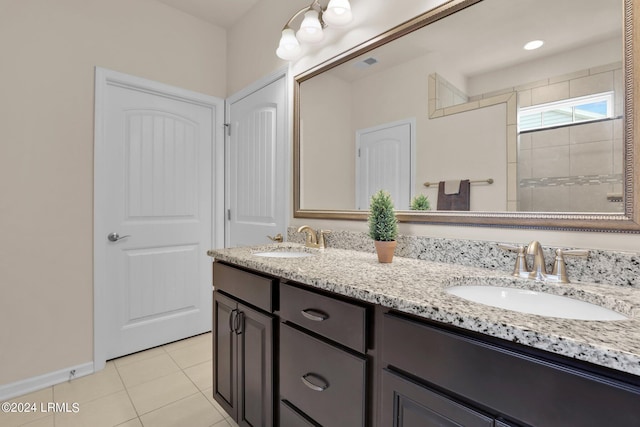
<point>283,254</point>
<point>540,303</point>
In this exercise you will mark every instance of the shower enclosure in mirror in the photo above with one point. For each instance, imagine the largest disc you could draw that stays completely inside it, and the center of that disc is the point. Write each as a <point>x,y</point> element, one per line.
<point>545,136</point>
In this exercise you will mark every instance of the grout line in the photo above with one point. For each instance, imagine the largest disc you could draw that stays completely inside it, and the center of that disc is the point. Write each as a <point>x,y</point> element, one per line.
<point>164,406</point>
<point>126,389</point>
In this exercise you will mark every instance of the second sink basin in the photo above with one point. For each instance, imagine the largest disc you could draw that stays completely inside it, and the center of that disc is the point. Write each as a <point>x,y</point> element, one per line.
<point>533,302</point>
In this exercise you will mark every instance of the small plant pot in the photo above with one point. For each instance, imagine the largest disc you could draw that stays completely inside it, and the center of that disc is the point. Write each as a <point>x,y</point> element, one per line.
<point>385,250</point>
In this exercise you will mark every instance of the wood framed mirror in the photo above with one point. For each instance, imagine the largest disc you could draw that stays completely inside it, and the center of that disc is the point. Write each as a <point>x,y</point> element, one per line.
<point>458,77</point>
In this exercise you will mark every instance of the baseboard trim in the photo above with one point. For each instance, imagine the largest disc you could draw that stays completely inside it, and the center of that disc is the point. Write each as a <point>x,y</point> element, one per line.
<point>18,388</point>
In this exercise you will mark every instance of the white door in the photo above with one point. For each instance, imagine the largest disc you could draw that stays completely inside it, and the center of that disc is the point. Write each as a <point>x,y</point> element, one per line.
<point>154,200</point>
<point>257,165</point>
<point>384,161</point>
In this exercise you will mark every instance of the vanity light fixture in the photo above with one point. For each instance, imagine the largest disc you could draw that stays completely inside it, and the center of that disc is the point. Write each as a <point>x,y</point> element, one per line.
<point>533,45</point>
<point>316,18</point>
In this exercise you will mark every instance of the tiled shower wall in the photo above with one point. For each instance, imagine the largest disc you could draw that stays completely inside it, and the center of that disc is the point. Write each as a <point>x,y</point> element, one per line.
<point>575,168</point>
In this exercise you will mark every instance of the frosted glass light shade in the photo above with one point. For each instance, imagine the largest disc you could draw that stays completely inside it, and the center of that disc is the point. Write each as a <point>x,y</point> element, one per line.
<point>338,13</point>
<point>289,48</point>
<point>310,29</point>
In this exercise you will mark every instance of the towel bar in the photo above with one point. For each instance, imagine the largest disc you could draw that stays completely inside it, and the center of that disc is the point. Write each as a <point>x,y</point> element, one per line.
<point>488,181</point>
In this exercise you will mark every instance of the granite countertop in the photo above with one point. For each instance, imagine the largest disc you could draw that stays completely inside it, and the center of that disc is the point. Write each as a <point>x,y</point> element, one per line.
<point>417,287</point>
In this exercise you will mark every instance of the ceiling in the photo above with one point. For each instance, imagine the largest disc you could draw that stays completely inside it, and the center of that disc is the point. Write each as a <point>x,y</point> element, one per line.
<point>223,13</point>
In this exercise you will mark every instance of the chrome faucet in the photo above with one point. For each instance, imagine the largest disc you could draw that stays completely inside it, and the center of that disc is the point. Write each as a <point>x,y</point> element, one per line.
<point>313,239</point>
<point>538,270</point>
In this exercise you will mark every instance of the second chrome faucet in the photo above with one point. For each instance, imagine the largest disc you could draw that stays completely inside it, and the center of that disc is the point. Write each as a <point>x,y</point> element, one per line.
<point>538,270</point>
<point>314,239</point>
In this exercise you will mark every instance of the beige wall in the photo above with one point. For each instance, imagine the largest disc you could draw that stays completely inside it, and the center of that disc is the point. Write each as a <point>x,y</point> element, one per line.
<point>48,53</point>
<point>372,18</point>
<point>328,156</point>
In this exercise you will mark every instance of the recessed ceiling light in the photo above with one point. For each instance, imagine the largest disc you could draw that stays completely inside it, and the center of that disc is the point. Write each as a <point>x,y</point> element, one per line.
<point>534,44</point>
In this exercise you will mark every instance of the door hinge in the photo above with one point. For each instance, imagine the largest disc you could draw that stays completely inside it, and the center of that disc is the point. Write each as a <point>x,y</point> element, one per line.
<point>229,214</point>
<point>228,126</point>
<point>358,152</point>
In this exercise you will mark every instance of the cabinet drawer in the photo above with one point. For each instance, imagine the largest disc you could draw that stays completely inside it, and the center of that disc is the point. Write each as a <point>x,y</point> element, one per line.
<point>337,320</point>
<point>249,287</point>
<point>324,382</point>
<point>521,387</point>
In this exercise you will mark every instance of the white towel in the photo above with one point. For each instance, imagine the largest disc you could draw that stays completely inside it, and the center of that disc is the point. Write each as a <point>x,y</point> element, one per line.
<point>452,187</point>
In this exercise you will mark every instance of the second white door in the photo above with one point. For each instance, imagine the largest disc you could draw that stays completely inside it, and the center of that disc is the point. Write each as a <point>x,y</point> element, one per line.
<point>257,166</point>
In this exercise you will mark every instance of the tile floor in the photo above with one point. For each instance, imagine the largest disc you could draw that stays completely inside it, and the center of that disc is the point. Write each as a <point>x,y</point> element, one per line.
<point>167,386</point>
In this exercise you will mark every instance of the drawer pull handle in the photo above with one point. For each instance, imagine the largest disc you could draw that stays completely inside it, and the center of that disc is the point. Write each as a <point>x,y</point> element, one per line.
<point>315,315</point>
<point>313,386</point>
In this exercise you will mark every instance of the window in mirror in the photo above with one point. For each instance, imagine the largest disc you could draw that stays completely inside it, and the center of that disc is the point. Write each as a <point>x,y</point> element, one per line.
<point>574,110</point>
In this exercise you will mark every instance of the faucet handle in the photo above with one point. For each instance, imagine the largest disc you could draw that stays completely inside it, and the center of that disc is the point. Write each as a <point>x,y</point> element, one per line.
<point>321,235</point>
<point>520,269</point>
<point>277,238</point>
<point>559,266</point>
<point>574,252</point>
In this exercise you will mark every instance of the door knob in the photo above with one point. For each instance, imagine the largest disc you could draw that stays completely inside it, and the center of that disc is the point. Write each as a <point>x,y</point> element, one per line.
<point>114,237</point>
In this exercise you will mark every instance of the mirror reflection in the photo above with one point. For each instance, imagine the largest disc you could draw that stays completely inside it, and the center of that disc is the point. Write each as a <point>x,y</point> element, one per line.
<point>532,130</point>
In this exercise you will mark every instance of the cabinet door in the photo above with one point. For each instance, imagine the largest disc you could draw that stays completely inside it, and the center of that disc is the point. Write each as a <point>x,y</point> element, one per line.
<point>255,367</point>
<point>224,353</point>
<point>409,404</point>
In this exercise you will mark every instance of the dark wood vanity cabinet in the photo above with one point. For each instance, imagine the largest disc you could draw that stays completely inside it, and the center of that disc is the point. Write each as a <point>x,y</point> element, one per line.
<point>334,361</point>
<point>243,345</point>
<point>431,374</point>
<point>323,366</point>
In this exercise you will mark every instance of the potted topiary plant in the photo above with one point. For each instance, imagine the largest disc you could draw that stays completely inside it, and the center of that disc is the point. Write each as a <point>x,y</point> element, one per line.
<point>420,203</point>
<point>383,225</point>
